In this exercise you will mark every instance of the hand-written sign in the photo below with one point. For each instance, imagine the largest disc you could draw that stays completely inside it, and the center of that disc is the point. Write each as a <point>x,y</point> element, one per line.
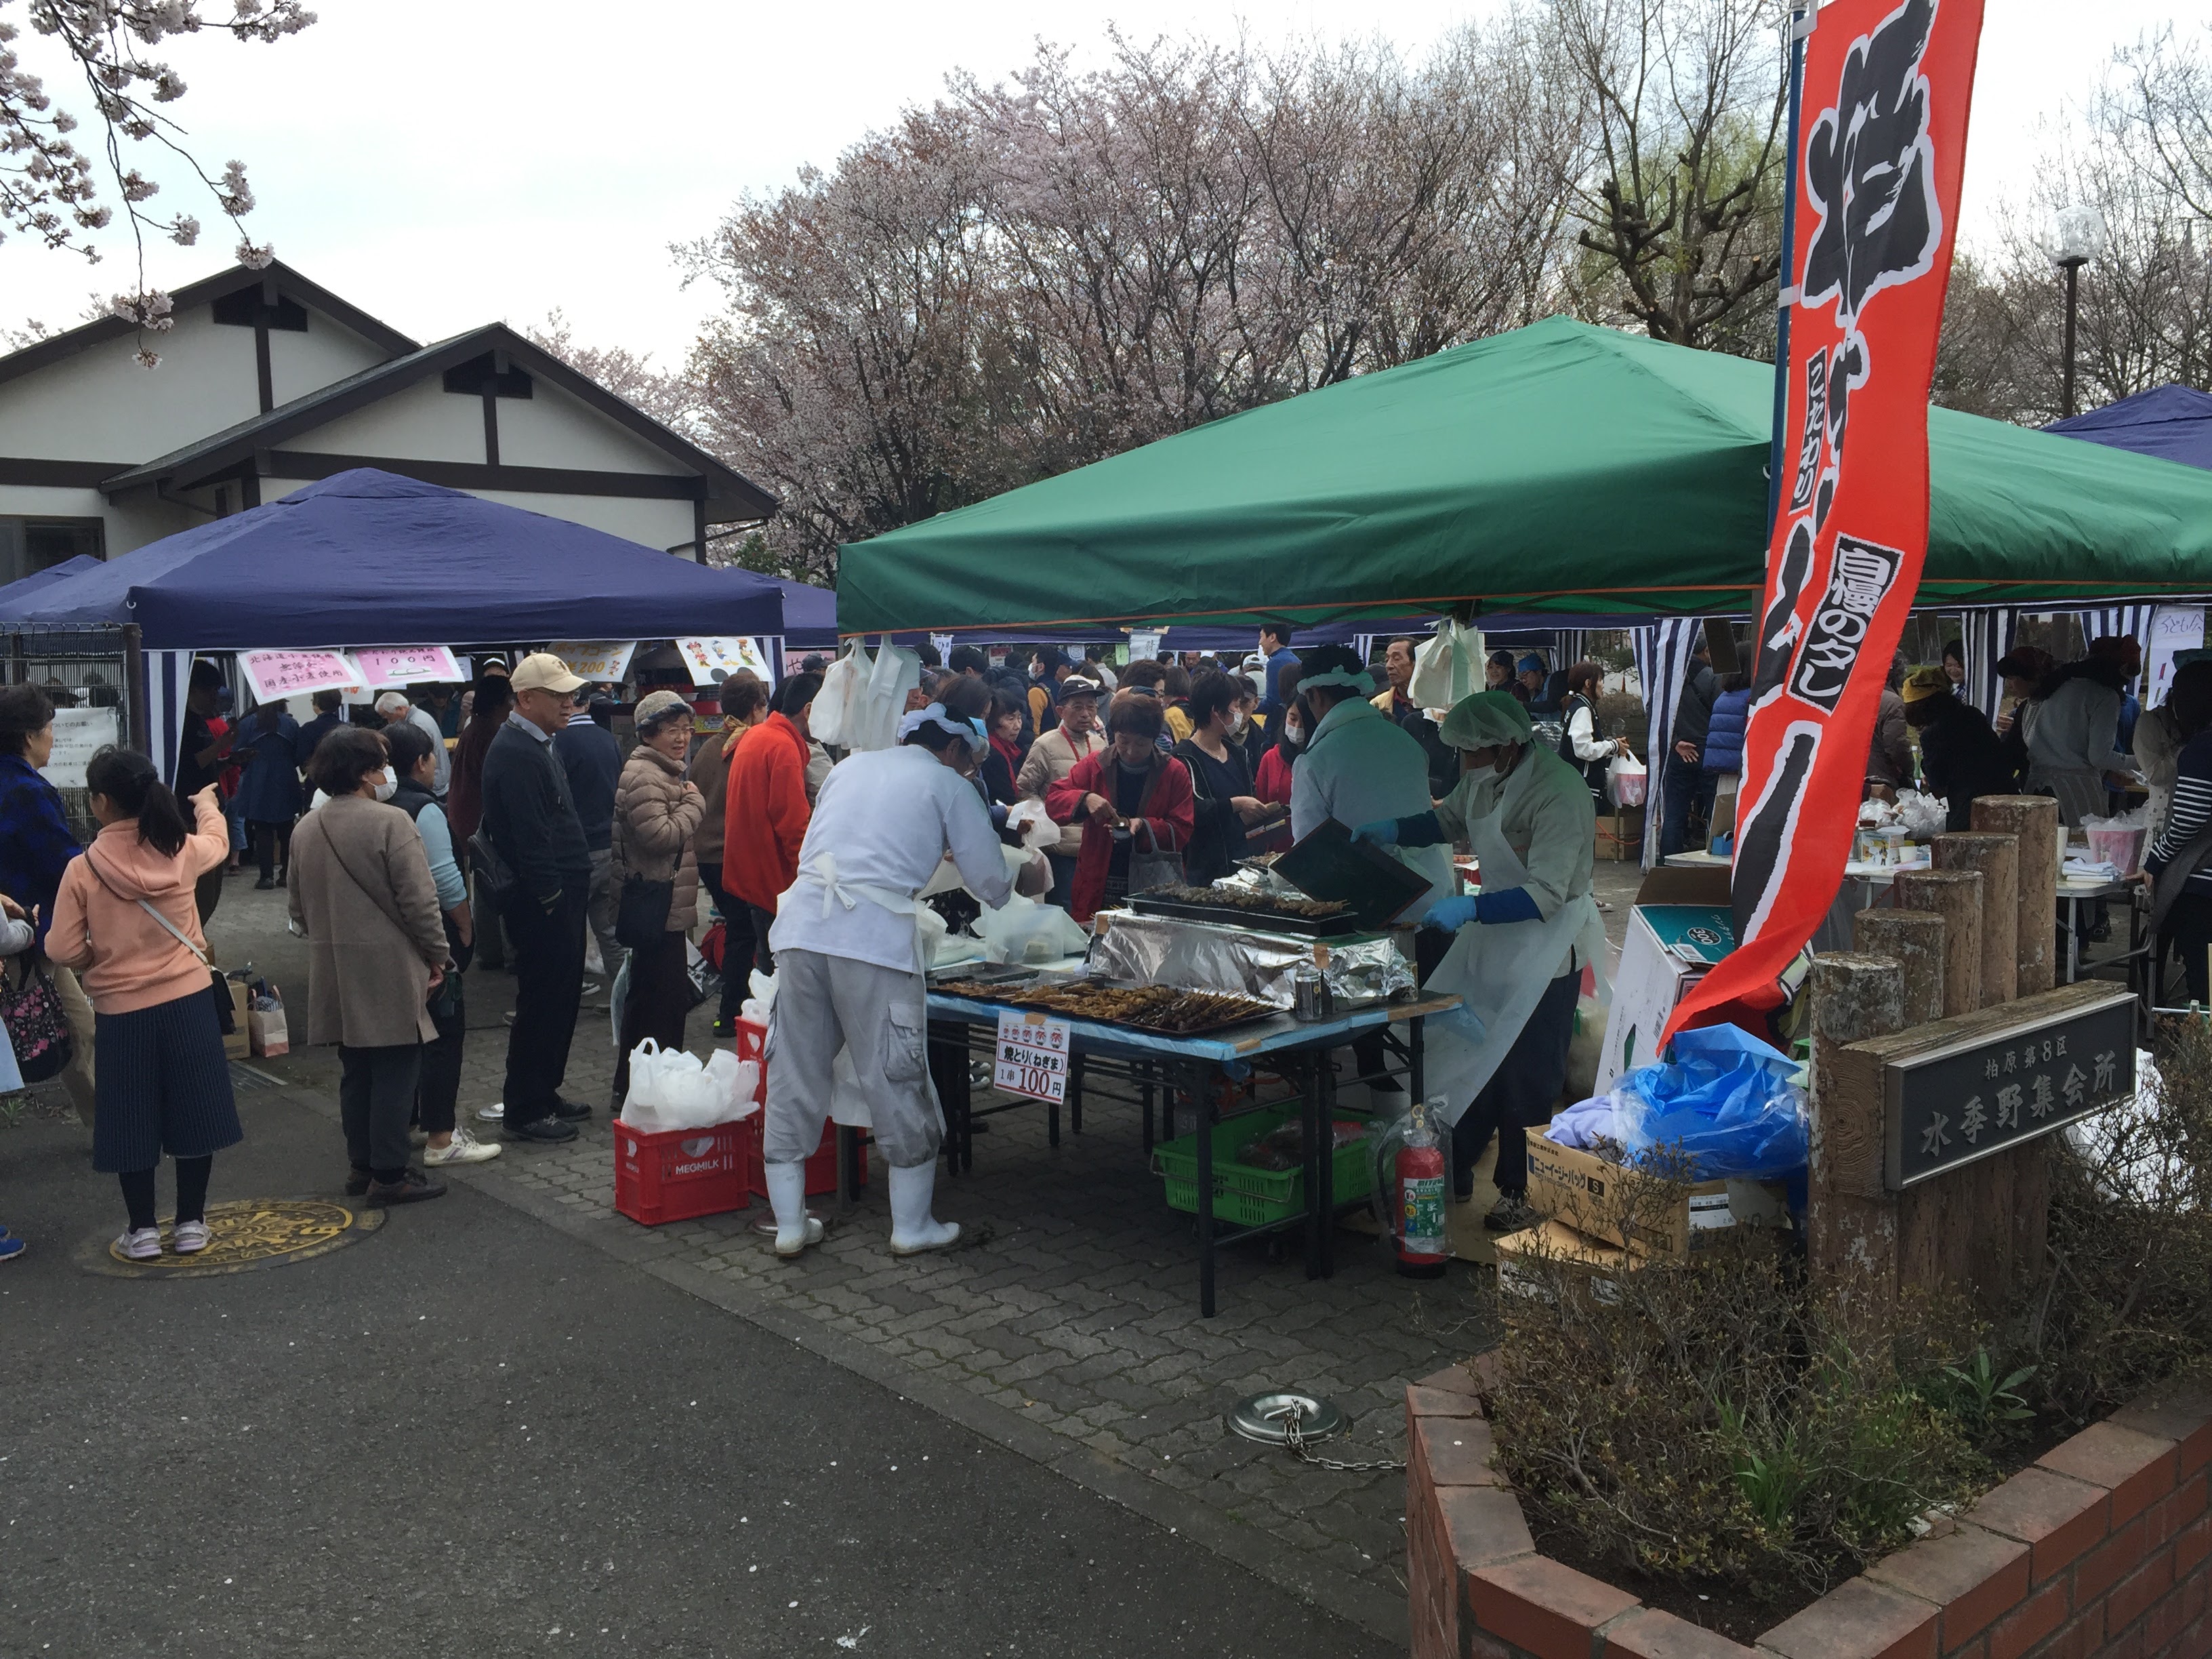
<point>383,666</point>
<point>273,674</point>
<point>600,661</point>
<point>713,660</point>
<point>79,734</point>
<point>1969,1099</point>
<point>1032,1056</point>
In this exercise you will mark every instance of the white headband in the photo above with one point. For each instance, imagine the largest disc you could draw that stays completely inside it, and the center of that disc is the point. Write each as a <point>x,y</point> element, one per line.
<point>935,715</point>
<point>1362,682</point>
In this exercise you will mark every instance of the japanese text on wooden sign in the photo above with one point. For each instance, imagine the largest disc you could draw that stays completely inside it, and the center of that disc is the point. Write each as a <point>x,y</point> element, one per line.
<point>1032,1057</point>
<point>1950,1108</point>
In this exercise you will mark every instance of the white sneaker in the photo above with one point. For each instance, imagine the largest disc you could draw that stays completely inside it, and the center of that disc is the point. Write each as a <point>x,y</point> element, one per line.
<point>139,1244</point>
<point>464,1148</point>
<point>495,1113</point>
<point>188,1238</point>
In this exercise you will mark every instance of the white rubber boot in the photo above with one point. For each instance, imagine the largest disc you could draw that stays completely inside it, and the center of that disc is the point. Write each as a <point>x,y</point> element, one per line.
<point>914,1230</point>
<point>787,1195</point>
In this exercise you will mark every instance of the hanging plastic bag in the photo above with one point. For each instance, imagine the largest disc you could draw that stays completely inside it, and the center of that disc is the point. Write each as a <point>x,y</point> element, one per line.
<point>1447,666</point>
<point>1626,780</point>
<point>670,1089</point>
<point>843,693</point>
<point>874,723</point>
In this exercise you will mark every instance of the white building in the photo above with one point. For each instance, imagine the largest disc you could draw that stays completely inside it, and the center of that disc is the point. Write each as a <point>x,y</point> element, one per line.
<point>268,381</point>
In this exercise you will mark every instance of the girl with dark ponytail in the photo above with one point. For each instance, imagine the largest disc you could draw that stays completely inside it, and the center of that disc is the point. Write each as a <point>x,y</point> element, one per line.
<point>124,920</point>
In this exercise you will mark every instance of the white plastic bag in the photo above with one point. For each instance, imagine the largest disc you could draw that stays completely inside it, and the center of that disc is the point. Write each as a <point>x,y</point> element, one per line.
<point>1626,780</point>
<point>838,704</point>
<point>1038,832</point>
<point>670,1089</point>
<point>1023,930</point>
<point>872,723</point>
<point>1447,666</point>
<point>1923,816</point>
<point>761,1002</point>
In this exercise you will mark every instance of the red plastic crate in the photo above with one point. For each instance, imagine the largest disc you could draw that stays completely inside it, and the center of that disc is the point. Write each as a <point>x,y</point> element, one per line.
<point>821,1165</point>
<point>683,1173</point>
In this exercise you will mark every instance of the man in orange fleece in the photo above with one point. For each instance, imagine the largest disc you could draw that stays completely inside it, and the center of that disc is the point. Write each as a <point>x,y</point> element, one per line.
<point>765,812</point>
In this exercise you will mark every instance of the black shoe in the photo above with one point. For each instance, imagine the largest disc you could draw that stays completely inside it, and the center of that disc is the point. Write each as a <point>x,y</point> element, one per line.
<point>546,1131</point>
<point>1510,1215</point>
<point>267,883</point>
<point>413,1187</point>
<point>569,1111</point>
<point>282,876</point>
<point>357,1183</point>
<point>725,1026</point>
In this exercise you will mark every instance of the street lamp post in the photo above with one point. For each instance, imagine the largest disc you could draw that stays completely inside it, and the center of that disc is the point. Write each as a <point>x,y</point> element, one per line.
<point>2081,239</point>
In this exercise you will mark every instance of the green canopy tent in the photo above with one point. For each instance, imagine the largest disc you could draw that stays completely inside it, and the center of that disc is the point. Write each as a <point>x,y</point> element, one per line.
<point>1560,468</point>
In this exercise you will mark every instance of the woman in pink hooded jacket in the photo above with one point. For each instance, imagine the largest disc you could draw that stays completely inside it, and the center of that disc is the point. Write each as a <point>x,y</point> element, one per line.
<point>124,921</point>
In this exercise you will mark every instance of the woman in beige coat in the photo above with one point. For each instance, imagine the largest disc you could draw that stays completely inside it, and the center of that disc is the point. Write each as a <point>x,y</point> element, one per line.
<point>656,812</point>
<point>1051,758</point>
<point>361,891</point>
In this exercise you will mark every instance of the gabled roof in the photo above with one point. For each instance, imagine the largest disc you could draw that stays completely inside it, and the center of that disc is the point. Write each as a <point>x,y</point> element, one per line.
<point>206,290</point>
<point>732,491</point>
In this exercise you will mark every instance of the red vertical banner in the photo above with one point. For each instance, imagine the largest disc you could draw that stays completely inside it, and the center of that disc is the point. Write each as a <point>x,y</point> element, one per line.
<point>1883,118</point>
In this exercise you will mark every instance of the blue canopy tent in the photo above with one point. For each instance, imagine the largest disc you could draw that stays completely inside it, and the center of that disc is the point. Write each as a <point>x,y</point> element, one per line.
<point>2174,423</point>
<point>18,594</point>
<point>367,557</point>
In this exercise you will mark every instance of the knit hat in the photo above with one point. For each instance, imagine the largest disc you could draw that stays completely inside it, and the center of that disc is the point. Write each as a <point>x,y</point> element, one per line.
<point>656,708</point>
<point>1924,682</point>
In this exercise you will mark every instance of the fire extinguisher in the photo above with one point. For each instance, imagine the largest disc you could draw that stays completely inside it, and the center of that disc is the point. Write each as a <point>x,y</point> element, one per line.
<point>1420,1232</point>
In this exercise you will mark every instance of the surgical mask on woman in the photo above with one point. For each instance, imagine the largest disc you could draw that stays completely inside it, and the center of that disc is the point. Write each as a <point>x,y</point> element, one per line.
<point>1293,733</point>
<point>388,787</point>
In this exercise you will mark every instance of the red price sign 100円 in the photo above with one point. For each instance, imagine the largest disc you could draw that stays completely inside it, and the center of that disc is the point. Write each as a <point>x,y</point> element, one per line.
<point>1032,1055</point>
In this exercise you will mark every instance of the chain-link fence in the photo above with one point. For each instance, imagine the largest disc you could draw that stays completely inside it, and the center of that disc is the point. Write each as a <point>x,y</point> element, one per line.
<point>93,677</point>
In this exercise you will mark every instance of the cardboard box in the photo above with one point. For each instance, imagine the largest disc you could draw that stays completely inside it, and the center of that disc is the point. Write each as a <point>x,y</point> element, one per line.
<point>238,1041</point>
<point>1669,949</point>
<point>1526,1260</point>
<point>1656,1219</point>
<point>1620,835</point>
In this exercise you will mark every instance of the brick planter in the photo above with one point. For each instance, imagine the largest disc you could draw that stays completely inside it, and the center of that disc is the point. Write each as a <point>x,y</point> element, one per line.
<point>2101,1547</point>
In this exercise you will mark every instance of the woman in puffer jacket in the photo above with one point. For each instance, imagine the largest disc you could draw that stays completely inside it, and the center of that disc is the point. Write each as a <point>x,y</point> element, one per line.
<point>656,813</point>
<point>1725,729</point>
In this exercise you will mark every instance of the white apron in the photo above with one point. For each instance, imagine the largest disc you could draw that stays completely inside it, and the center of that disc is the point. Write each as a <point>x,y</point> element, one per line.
<point>849,1102</point>
<point>1502,972</point>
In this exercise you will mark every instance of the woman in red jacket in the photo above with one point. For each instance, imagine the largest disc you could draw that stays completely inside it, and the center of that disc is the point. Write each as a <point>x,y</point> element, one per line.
<point>765,812</point>
<point>1129,788</point>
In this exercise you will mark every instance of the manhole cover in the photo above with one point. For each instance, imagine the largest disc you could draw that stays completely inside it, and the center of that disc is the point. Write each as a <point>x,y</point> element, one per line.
<point>246,1233</point>
<point>1267,1417</point>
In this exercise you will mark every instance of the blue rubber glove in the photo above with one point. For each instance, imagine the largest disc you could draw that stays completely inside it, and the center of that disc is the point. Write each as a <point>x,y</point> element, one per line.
<point>1450,915</point>
<point>1383,832</point>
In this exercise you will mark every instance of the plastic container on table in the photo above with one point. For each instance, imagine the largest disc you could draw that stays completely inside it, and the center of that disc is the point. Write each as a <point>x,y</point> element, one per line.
<point>1247,1196</point>
<point>821,1164</point>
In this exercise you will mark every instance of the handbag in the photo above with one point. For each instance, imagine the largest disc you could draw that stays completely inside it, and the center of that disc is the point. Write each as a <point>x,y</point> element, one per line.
<point>495,877</point>
<point>38,1030</point>
<point>1149,866</point>
<point>642,913</point>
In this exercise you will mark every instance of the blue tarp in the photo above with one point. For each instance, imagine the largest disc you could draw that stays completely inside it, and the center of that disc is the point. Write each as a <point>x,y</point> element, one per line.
<point>2173,422</point>
<point>367,557</point>
<point>17,595</point>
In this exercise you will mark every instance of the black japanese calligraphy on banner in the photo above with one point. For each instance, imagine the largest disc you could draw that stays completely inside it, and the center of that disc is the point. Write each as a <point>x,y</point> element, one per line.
<point>1948,1109</point>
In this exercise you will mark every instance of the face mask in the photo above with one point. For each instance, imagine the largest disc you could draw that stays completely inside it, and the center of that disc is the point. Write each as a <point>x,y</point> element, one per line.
<point>388,788</point>
<point>1293,733</point>
<point>1237,726</point>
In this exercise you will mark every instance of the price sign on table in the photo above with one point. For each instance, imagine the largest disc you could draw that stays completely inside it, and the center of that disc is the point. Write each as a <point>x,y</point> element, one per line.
<point>1032,1058</point>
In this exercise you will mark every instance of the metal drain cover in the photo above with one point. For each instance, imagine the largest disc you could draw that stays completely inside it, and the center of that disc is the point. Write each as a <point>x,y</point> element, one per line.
<point>1266,1417</point>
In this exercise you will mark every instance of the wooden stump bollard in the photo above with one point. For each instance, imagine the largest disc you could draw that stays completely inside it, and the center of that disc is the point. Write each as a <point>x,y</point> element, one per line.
<point>1914,939</point>
<point>2033,821</point>
<point>1851,1222</point>
<point>1995,860</point>
<point>1957,898</point>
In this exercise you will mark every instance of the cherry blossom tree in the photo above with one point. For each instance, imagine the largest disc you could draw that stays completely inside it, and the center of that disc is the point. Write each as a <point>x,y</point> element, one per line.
<point>53,175</point>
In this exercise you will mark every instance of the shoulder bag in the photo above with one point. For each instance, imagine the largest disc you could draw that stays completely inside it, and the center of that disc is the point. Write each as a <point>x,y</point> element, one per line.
<point>226,1012</point>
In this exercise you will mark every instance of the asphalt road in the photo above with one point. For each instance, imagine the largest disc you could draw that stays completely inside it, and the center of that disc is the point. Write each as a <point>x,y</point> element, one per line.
<point>471,1434</point>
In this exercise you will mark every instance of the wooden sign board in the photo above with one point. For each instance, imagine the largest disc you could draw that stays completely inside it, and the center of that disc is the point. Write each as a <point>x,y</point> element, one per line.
<point>1959,1091</point>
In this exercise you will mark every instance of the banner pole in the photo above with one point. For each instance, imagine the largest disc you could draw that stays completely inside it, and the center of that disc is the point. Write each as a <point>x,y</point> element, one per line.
<point>1803,20</point>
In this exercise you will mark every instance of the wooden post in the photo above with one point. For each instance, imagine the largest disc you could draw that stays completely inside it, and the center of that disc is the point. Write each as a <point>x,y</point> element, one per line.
<point>1996,858</point>
<point>2033,821</point>
<point>1914,938</point>
<point>1958,899</point>
<point>1851,1222</point>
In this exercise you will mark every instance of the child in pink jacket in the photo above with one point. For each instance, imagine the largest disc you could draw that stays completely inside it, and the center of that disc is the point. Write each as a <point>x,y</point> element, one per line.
<point>124,920</point>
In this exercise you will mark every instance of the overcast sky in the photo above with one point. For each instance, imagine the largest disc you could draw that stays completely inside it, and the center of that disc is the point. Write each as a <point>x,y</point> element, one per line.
<point>444,164</point>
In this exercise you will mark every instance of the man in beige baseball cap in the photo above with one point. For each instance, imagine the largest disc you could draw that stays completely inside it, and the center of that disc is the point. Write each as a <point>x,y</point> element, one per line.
<point>530,819</point>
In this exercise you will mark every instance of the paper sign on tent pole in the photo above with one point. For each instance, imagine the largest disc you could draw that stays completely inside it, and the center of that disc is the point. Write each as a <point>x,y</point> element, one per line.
<point>2174,628</point>
<point>384,666</point>
<point>711,661</point>
<point>600,661</point>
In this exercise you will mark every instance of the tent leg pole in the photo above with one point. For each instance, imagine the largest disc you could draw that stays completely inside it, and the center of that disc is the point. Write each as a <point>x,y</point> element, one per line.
<point>134,679</point>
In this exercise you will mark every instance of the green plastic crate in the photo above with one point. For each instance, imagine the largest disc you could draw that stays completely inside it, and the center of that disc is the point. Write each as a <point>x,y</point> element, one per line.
<point>1247,1197</point>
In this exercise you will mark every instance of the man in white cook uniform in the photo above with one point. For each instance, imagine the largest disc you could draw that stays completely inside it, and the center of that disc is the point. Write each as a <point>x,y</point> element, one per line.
<point>1518,946</point>
<point>849,974</point>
